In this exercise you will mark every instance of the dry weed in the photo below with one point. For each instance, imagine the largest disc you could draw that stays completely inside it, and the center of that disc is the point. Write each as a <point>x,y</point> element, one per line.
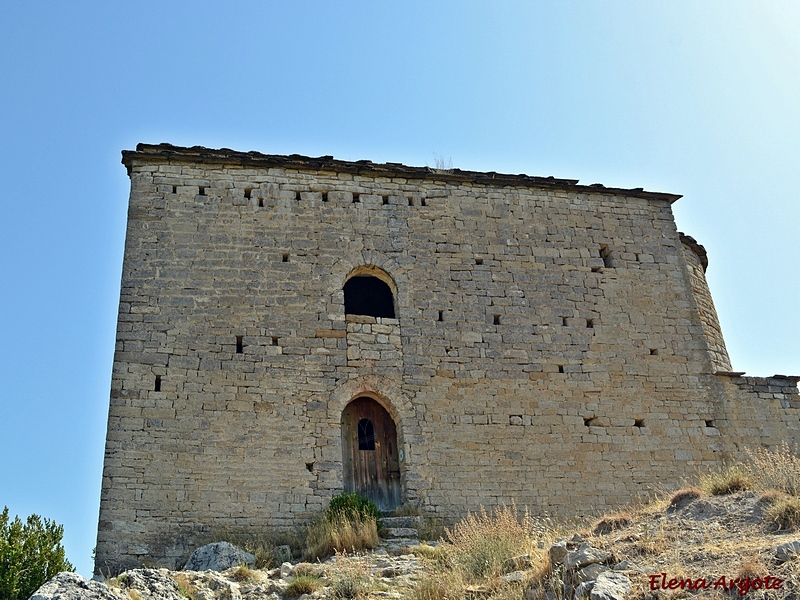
<point>310,569</point>
<point>185,587</point>
<point>242,574</point>
<point>303,584</point>
<point>684,496</point>
<point>327,537</point>
<point>509,591</point>
<point>480,544</point>
<point>352,580</point>
<point>784,514</point>
<point>771,497</point>
<point>752,568</point>
<point>732,478</point>
<point>609,523</point>
<point>434,554</point>
<point>777,469</point>
<point>547,585</point>
<point>438,585</point>
<point>654,540</point>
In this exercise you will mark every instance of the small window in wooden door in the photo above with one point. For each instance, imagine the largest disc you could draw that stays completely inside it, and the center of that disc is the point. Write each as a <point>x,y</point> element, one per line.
<point>369,453</point>
<point>366,435</point>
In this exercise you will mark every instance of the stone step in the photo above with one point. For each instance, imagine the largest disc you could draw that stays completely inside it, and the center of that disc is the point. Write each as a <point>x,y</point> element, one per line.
<point>393,522</point>
<point>401,532</point>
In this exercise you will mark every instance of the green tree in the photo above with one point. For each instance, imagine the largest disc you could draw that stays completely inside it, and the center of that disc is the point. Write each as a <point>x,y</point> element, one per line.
<point>30,554</point>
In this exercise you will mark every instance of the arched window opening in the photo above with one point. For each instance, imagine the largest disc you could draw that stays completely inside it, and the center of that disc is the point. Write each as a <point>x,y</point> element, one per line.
<point>366,435</point>
<point>369,296</point>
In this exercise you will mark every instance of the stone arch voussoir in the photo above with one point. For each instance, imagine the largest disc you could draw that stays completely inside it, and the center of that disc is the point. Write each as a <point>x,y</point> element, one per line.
<point>369,262</point>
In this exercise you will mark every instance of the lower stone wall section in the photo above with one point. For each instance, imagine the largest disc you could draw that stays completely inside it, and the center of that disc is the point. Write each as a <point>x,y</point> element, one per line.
<point>759,411</point>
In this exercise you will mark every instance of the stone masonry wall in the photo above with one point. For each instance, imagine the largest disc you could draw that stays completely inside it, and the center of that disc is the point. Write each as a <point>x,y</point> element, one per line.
<point>546,348</point>
<point>759,411</point>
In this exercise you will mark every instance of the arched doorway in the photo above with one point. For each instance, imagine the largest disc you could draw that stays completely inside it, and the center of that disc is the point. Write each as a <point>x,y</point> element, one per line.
<point>370,461</point>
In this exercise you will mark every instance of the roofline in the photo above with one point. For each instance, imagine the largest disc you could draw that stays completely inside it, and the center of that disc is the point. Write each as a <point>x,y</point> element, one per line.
<point>695,247</point>
<point>166,152</point>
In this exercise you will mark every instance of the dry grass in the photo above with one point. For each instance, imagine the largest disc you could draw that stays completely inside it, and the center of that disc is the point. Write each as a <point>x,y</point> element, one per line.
<point>265,557</point>
<point>185,587</point>
<point>732,478</point>
<point>684,496</point>
<point>479,546</point>
<point>312,570</point>
<point>609,523</point>
<point>546,584</point>
<point>471,561</point>
<point>777,469</point>
<point>719,537</point>
<point>752,568</point>
<point>438,585</point>
<point>326,537</point>
<point>353,579</point>
<point>442,164</point>
<point>784,514</point>
<point>430,553</point>
<point>303,584</point>
<point>770,497</point>
<point>545,581</point>
<point>242,574</point>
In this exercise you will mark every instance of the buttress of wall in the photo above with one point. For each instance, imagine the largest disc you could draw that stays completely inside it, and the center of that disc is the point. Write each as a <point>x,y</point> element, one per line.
<point>697,262</point>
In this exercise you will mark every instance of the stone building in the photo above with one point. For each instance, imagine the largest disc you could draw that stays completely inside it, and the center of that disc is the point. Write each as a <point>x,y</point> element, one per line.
<point>292,327</point>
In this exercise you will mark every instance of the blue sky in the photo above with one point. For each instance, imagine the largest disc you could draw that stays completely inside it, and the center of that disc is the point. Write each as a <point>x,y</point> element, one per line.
<point>695,98</point>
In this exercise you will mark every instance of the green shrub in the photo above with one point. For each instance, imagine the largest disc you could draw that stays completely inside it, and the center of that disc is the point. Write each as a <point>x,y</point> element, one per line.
<point>30,555</point>
<point>352,507</point>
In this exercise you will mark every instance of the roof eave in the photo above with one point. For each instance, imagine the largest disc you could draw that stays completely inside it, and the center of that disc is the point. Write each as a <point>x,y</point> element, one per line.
<point>167,152</point>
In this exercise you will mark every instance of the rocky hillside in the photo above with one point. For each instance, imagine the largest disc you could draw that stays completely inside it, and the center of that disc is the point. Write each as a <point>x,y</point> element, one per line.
<point>688,544</point>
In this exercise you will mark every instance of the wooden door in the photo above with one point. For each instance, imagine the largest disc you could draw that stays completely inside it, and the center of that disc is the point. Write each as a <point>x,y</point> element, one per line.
<point>369,453</point>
